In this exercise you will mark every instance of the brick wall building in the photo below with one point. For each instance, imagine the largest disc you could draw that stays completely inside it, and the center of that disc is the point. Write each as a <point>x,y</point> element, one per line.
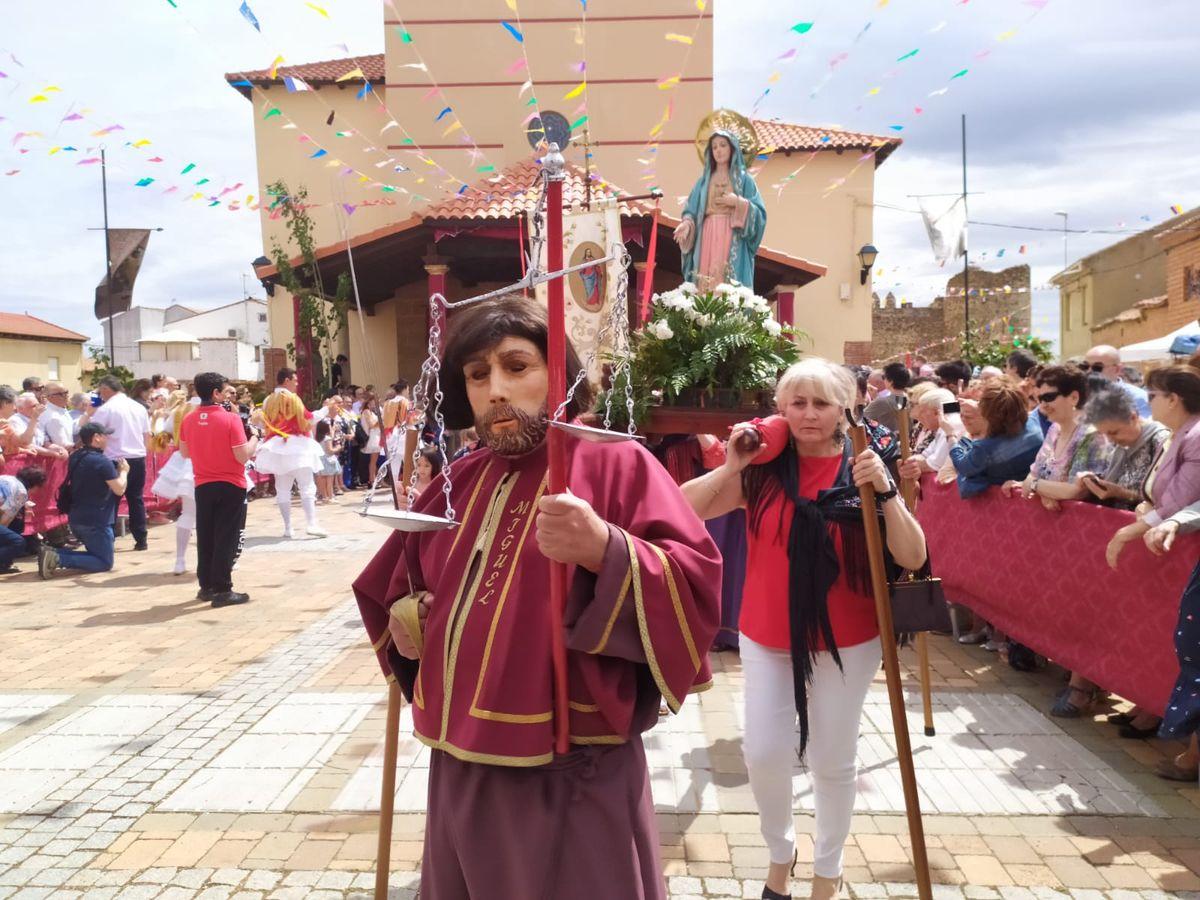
<point>1157,316</point>
<point>999,300</point>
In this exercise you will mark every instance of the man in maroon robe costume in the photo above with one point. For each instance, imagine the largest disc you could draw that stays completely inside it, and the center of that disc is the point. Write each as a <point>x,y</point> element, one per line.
<point>507,818</point>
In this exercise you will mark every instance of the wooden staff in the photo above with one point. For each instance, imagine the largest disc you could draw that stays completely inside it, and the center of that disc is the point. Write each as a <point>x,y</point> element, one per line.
<point>387,800</point>
<point>891,668</point>
<point>909,493</point>
<point>556,364</point>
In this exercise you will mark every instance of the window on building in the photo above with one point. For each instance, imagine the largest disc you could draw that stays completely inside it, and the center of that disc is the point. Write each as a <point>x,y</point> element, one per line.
<point>262,317</point>
<point>195,351</point>
<point>52,368</point>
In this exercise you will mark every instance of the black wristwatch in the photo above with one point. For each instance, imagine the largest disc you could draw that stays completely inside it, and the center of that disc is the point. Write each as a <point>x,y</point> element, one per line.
<point>884,496</point>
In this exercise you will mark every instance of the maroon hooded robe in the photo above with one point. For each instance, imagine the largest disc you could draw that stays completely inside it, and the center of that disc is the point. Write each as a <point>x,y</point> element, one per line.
<point>483,690</point>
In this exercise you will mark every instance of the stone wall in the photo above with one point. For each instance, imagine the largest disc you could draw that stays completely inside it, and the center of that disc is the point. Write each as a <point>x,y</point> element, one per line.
<point>998,300</point>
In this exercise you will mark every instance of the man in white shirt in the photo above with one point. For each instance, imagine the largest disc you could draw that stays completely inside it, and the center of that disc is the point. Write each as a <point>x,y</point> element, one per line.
<point>1105,360</point>
<point>130,436</point>
<point>56,420</point>
<point>31,414</point>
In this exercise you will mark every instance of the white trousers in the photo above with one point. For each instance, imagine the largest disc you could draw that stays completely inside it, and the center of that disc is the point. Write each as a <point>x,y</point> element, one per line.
<point>835,702</point>
<point>302,478</point>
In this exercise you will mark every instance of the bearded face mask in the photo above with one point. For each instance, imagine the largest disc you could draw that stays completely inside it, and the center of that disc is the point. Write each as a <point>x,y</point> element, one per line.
<point>526,436</point>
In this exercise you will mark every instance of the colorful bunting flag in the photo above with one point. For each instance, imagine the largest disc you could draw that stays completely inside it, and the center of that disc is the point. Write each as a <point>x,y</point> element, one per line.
<point>802,27</point>
<point>520,38</point>
<point>144,182</point>
<point>352,74</point>
<point>319,10</point>
<point>249,16</point>
<point>678,38</point>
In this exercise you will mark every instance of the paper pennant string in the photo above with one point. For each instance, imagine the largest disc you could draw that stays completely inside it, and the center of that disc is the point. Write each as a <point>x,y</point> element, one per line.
<point>516,66</point>
<point>578,122</point>
<point>1176,209</point>
<point>678,38</point>
<point>575,92</point>
<point>202,181</point>
<point>139,144</point>
<point>318,154</point>
<point>73,117</point>
<point>909,55</point>
<point>364,90</point>
<point>274,111</point>
<point>294,84</point>
<point>89,161</point>
<point>329,121</point>
<point>445,112</point>
<point>155,159</point>
<point>249,16</point>
<point>453,128</point>
<point>520,38</point>
<point>275,66</point>
<point>188,168</point>
<point>144,182</point>
<point>667,83</point>
<point>802,27</point>
<point>319,10</point>
<point>959,74</point>
<point>352,74</point>
<point>39,98</point>
<point>405,37</point>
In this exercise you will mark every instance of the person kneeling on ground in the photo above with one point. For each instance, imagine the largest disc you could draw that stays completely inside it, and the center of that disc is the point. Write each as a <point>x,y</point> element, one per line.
<point>97,483</point>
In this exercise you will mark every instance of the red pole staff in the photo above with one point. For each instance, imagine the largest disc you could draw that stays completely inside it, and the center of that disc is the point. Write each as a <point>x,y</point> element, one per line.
<point>557,365</point>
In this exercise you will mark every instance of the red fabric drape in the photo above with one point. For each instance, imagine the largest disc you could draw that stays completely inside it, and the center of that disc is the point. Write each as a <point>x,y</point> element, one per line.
<point>1041,577</point>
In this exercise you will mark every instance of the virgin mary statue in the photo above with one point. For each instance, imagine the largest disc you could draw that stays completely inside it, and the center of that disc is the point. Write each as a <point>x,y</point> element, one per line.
<point>724,220</point>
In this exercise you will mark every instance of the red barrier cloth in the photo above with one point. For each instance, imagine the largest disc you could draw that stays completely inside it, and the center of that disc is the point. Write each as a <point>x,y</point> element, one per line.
<point>1041,577</point>
<point>45,515</point>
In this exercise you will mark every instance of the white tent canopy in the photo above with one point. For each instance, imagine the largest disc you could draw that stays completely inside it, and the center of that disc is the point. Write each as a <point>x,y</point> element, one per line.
<point>1156,348</point>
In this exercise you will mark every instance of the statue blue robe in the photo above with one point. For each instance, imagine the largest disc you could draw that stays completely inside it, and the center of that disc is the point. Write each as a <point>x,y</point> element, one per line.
<point>746,239</point>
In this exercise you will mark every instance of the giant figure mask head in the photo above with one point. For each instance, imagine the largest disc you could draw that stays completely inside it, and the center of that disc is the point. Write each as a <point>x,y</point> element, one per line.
<point>495,376</point>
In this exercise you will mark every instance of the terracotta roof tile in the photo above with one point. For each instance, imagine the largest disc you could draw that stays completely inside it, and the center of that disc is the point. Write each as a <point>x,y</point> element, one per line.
<point>514,190</point>
<point>27,326</point>
<point>783,136</point>
<point>324,72</point>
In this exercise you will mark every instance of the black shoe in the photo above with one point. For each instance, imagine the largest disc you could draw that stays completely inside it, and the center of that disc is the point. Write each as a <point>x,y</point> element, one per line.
<point>1119,719</point>
<point>769,894</point>
<point>228,598</point>
<point>141,545</point>
<point>205,594</point>
<point>1133,733</point>
<point>10,570</point>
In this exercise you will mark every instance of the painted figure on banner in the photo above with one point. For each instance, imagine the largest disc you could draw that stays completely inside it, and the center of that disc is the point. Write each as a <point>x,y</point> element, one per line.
<point>589,287</point>
<point>724,219</point>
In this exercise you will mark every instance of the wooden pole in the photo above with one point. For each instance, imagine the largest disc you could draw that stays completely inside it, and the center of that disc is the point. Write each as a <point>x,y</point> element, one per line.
<point>891,668</point>
<point>909,492</point>
<point>556,363</point>
<point>387,800</point>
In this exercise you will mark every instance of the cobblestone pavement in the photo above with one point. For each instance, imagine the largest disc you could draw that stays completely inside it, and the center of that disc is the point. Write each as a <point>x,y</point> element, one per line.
<point>151,746</point>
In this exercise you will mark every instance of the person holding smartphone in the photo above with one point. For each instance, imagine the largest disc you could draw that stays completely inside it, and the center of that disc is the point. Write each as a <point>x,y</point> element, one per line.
<point>1137,442</point>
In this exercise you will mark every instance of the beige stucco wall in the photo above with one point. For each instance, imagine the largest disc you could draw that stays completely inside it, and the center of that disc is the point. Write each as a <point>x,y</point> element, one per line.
<point>1107,283</point>
<point>828,227</point>
<point>372,346</point>
<point>21,358</point>
<point>282,155</point>
<point>487,100</point>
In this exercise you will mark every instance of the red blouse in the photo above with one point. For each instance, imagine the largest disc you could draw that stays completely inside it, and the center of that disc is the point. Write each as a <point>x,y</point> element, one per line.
<point>764,618</point>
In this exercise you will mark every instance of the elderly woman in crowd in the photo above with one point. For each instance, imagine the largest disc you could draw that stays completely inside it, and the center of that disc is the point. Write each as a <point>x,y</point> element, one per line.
<point>1007,447</point>
<point>932,448</point>
<point>809,639</point>
<point>1071,445</point>
<point>1173,488</point>
<point>1136,442</point>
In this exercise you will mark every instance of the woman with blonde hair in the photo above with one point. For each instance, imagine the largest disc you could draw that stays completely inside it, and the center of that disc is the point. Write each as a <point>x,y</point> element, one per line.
<point>175,480</point>
<point>809,652</point>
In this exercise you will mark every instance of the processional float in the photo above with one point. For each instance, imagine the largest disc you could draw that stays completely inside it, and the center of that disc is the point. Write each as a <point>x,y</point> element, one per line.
<point>547,228</point>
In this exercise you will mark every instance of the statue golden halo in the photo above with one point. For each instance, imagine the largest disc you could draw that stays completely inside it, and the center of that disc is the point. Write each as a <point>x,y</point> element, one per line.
<point>736,124</point>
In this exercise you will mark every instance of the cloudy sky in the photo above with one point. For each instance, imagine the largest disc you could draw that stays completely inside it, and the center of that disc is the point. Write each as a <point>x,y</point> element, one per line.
<point>1083,106</point>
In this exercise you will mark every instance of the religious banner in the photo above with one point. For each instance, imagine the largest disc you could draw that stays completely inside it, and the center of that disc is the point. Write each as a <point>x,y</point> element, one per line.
<point>128,246</point>
<point>947,230</point>
<point>590,292</point>
<point>1041,577</point>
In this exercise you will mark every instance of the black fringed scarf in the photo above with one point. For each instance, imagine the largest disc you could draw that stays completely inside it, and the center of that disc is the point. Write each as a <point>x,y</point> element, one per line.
<point>813,563</point>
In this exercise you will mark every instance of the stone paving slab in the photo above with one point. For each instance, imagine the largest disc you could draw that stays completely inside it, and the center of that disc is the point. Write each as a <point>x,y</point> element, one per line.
<point>153,747</point>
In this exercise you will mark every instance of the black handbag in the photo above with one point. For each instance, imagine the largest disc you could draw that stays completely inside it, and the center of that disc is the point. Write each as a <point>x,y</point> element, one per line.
<point>918,604</point>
